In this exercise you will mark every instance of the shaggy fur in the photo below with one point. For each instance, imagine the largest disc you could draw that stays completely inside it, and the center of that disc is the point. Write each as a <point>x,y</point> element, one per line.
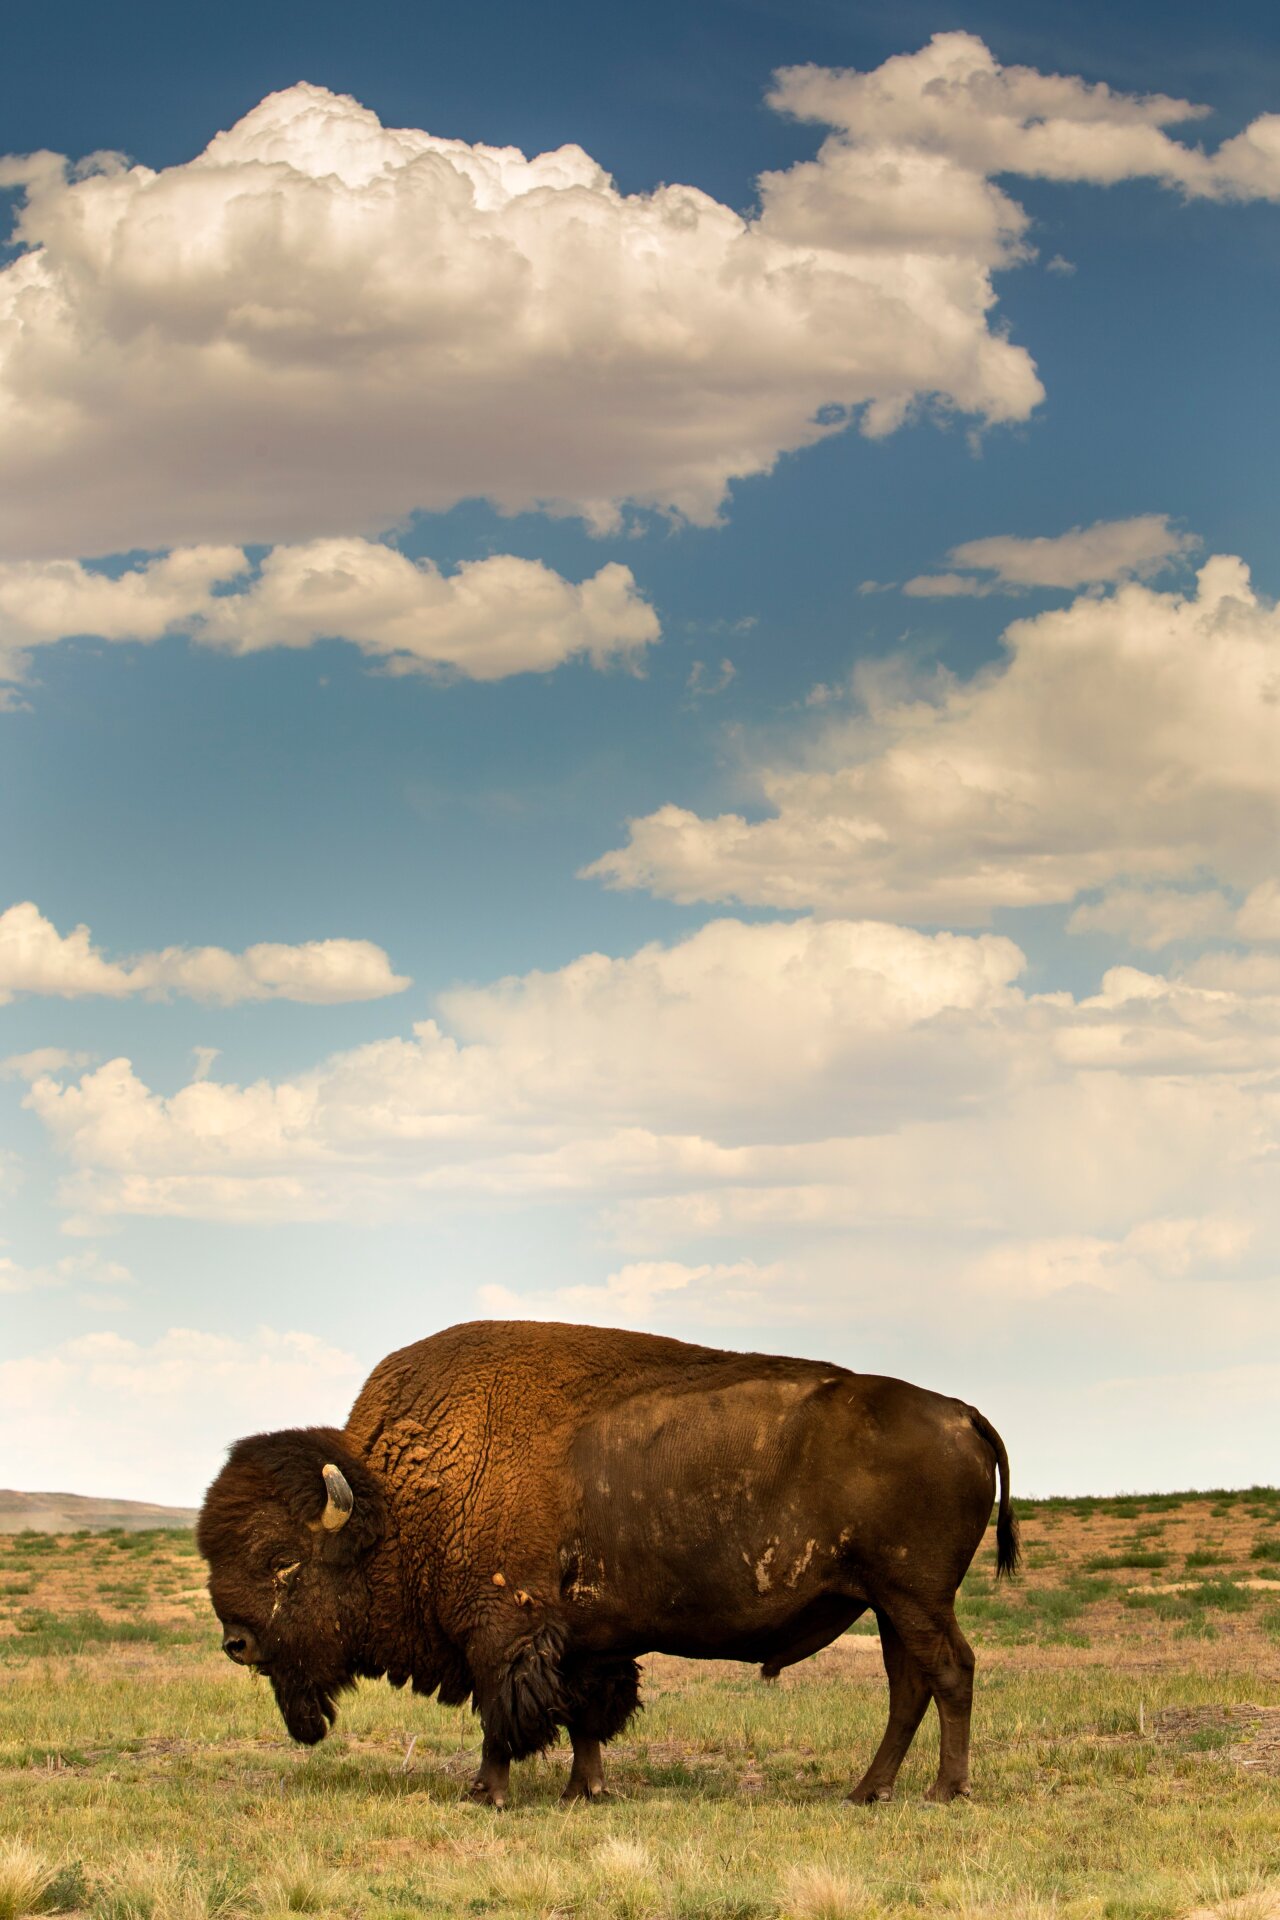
<point>536,1505</point>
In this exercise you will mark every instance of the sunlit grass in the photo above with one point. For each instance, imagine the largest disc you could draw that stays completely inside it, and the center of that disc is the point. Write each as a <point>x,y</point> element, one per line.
<point>149,1780</point>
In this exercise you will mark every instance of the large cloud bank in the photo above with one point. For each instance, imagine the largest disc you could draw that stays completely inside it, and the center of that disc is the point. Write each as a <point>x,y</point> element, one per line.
<point>848,1073</point>
<point>320,324</point>
<point>1133,736</point>
<point>836,1130</point>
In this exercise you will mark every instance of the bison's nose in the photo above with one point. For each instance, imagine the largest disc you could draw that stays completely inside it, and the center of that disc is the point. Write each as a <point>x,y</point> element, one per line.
<point>239,1645</point>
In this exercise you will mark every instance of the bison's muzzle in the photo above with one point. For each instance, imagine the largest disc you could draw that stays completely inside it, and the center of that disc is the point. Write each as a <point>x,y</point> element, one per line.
<point>240,1644</point>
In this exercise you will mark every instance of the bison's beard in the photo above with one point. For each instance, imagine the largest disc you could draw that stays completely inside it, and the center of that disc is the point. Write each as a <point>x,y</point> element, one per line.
<point>307,1708</point>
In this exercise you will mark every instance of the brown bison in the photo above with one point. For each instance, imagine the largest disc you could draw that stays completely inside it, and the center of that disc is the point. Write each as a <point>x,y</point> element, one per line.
<point>514,1511</point>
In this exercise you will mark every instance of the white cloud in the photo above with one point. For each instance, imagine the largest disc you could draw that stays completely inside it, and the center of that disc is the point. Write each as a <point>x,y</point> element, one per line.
<point>112,1416</point>
<point>42,1060</point>
<point>1100,555</point>
<point>1154,917</point>
<point>1148,1023</point>
<point>1259,917</point>
<point>603,1074</point>
<point>489,619</point>
<point>320,324</point>
<point>858,1131</point>
<point>824,1076</point>
<point>87,1270</point>
<point>1238,973</point>
<point>1154,1250</point>
<point>954,99</point>
<point>36,958</point>
<point>1127,737</point>
<point>947,586</point>
<point>648,1292</point>
<point>18,1279</point>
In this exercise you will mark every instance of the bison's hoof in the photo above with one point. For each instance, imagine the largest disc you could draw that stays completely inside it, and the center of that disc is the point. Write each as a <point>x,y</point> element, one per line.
<point>485,1796</point>
<point>942,1792</point>
<point>870,1796</point>
<point>579,1790</point>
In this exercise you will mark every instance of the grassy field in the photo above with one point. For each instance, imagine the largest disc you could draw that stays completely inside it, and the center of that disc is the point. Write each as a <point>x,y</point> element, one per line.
<point>1126,1756</point>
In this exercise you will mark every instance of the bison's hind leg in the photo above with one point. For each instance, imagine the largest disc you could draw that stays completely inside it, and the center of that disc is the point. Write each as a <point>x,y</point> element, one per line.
<point>601,1694</point>
<point>908,1699</point>
<point>925,1654</point>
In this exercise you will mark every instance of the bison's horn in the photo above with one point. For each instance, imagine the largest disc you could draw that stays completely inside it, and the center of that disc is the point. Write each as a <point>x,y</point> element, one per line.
<point>337,1510</point>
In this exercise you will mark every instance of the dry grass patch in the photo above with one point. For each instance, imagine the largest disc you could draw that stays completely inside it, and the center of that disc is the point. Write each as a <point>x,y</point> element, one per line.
<point>821,1892</point>
<point>623,1881</point>
<point>300,1884</point>
<point>26,1881</point>
<point>159,1885</point>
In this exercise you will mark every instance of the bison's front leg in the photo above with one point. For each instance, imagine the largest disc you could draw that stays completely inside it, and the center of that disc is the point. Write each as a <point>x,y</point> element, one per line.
<point>493,1777</point>
<point>586,1776</point>
<point>518,1694</point>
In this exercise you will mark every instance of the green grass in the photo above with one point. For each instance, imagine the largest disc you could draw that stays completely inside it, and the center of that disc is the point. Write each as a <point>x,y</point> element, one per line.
<point>41,1633</point>
<point>1265,1550</point>
<point>146,1779</point>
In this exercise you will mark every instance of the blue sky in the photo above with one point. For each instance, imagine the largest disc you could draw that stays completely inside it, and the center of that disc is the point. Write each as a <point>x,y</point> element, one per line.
<point>934,1018</point>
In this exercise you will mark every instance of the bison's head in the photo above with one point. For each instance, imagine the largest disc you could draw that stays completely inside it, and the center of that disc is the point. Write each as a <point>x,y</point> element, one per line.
<point>287,1528</point>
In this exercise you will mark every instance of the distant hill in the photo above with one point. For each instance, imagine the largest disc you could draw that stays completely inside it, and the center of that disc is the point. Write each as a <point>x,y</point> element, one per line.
<point>73,1512</point>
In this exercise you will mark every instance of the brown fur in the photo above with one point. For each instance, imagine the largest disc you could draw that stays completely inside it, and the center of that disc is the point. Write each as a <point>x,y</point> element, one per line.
<point>536,1505</point>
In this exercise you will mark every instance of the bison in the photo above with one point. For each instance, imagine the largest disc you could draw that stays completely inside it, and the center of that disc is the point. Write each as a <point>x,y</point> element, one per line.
<point>515,1510</point>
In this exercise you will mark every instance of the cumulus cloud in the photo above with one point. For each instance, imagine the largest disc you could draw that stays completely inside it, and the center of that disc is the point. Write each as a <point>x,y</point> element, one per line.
<point>152,1419</point>
<point>824,1076</point>
<point>489,619</point>
<point>606,1075</point>
<point>869,1140</point>
<point>1131,737</point>
<point>955,99</point>
<point>35,958</point>
<point>349,321</point>
<point>1103,554</point>
<point>320,324</point>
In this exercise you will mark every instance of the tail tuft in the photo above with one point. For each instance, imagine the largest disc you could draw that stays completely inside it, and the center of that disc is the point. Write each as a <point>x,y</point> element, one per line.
<point>1008,1547</point>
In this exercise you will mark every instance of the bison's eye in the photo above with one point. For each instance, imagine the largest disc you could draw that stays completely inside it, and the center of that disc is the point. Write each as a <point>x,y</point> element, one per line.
<point>284,1574</point>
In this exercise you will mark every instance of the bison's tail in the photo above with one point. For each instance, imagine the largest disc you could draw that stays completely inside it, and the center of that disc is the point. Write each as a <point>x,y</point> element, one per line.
<point>1008,1551</point>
